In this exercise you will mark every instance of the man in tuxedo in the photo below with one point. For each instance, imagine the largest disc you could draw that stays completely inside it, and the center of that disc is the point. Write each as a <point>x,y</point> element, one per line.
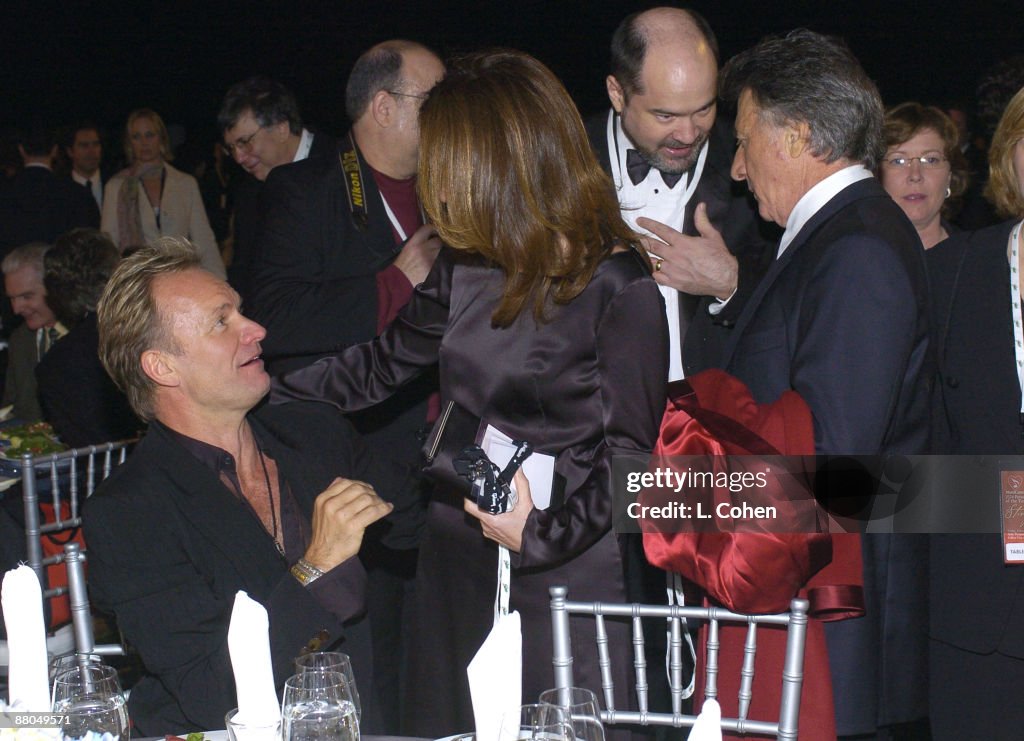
<point>222,494</point>
<point>262,129</point>
<point>342,246</point>
<point>669,156</point>
<point>841,318</point>
<point>37,206</point>
<point>85,152</point>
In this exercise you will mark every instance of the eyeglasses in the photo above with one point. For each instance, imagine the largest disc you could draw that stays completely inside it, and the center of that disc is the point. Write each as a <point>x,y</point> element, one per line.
<point>929,162</point>
<point>243,145</point>
<point>418,96</point>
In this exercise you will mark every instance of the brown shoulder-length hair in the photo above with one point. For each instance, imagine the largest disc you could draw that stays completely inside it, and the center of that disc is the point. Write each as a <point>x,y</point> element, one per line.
<point>506,171</point>
<point>907,120</point>
<point>1003,188</point>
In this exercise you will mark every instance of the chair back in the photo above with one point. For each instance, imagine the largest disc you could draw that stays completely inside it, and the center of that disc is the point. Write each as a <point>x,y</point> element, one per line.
<point>81,614</point>
<point>72,477</point>
<point>792,672</point>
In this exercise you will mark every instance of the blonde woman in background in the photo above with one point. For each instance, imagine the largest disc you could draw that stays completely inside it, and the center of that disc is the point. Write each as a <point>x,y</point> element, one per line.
<point>150,199</point>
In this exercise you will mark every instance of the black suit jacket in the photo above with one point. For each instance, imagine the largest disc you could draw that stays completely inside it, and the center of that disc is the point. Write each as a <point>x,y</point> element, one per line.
<point>248,219</point>
<point>38,206</point>
<point>978,603</point>
<point>732,211</point>
<point>169,545</point>
<point>842,318</point>
<point>315,288</point>
<point>77,396</point>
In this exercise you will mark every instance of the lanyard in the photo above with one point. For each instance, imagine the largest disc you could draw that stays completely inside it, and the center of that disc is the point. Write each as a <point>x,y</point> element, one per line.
<point>393,219</point>
<point>618,167</point>
<point>1018,331</point>
<point>504,584</point>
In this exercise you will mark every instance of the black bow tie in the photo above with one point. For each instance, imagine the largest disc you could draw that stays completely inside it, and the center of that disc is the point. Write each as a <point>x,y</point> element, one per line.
<point>637,168</point>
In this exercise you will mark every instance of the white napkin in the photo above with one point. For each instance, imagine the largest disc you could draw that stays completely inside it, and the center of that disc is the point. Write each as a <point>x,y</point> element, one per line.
<point>249,646</point>
<point>709,723</point>
<point>28,681</point>
<point>496,677</point>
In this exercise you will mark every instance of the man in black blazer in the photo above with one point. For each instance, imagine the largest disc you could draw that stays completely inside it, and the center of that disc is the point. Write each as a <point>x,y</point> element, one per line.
<point>342,245</point>
<point>221,495</point>
<point>37,206</point>
<point>669,156</point>
<point>841,317</point>
<point>262,129</point>
<point>84,150</point>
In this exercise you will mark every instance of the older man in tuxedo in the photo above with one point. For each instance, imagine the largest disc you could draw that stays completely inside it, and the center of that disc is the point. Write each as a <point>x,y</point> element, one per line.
<point>222,494</point>
<point>841,318</point>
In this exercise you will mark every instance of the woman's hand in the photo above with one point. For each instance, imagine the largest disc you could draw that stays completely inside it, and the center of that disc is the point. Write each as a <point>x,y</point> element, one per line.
<point>506,529</point>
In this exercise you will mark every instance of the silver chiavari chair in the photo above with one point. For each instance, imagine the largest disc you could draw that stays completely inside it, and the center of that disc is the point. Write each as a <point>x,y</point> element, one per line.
<point>791,680</point>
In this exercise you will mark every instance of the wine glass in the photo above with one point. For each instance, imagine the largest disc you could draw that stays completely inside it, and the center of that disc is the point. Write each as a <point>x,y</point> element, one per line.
<point>332,661</point>
<point>90,699</point>
<point>537,722</point>
<point>317,706</point>
<point>584,711</point>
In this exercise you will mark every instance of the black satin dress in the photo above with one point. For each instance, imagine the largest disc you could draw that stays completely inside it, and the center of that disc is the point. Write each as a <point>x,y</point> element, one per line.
<point>585,385</point>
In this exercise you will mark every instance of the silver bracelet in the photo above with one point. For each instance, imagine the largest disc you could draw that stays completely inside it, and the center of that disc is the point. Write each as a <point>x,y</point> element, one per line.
<point>305,572</point>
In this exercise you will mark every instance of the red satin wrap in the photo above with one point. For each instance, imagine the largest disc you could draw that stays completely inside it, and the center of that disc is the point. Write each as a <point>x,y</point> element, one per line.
<point>714,414</point>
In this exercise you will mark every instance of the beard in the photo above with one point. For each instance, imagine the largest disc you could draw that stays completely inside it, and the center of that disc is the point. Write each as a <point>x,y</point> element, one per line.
<point>662,161</point>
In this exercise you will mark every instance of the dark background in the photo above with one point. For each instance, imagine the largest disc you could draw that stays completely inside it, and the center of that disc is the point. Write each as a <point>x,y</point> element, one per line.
<point>98,60</point>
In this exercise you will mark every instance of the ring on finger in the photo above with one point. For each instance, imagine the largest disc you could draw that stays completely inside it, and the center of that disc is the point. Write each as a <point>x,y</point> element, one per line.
<point>657,265</point>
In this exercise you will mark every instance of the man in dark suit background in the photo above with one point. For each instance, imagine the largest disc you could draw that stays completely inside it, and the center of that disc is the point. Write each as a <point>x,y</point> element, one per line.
<point>262,129</point>
<point>37,206</point>
<point>669,156</point>
<point>342,245</point>
<point>84,150</point>
<point>841,317</point>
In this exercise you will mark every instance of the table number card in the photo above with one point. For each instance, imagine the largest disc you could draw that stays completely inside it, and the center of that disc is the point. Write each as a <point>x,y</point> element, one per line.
<point>1012,505</point>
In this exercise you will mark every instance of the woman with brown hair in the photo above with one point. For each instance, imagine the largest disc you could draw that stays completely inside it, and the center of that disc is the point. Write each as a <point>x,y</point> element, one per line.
<point>150,199</point>
<point>546,324</point>
<point>923,169</point>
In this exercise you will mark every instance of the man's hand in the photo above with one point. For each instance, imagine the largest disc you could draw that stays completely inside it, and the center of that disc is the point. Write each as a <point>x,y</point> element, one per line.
<point>418,254</point>
<point>341,514</point>
<point>700,266</point>
<point>506,529</point>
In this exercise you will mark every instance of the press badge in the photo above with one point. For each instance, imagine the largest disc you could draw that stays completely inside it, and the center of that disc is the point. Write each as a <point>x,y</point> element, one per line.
<point>1012,507</point>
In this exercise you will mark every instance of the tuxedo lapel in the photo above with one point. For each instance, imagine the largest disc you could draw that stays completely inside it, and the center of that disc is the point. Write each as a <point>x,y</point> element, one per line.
<point>826,212</point>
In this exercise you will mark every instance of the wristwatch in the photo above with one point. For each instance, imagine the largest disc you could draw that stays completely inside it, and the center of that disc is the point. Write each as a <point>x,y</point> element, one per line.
<point>305,572</point>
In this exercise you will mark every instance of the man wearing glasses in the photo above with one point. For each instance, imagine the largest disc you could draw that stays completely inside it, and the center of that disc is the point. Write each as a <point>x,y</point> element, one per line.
<point>262,129</point>
<point>342,245</point>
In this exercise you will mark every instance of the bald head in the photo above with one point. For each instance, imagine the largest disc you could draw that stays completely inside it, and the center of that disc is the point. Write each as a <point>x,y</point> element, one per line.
<point>673,33</point>
<point>380,68</point>
<point>664,84</point>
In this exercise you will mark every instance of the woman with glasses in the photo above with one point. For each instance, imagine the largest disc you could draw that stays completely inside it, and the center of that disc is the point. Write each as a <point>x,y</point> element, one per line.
<point>544,322</point>
<point>977,583</point>
<point>150,199</point>
<point>923,169</point>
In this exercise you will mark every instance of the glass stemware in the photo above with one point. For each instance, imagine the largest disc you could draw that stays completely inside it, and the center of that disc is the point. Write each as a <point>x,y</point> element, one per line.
<point>332,661</point>
<point>89,697</point>
<point>317,706</point>
<point>537,722</point>
<point>584,710</point>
